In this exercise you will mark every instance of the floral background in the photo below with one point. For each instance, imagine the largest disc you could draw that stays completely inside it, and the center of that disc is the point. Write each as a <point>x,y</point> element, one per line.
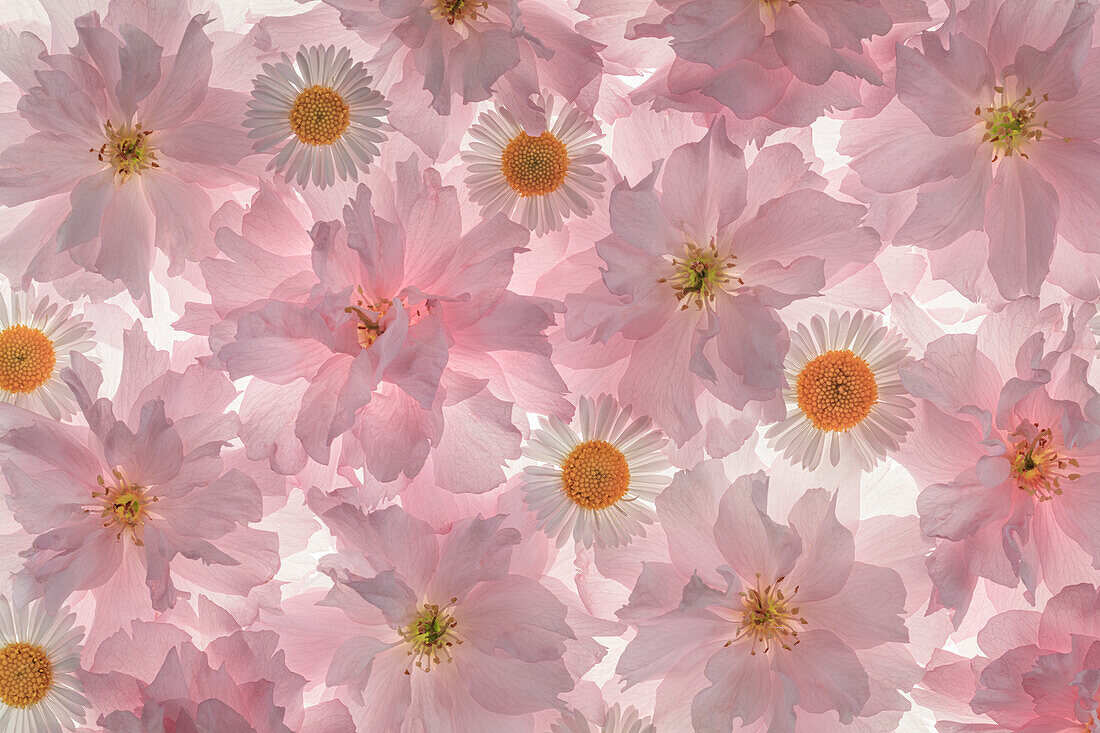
<point>549,365</point>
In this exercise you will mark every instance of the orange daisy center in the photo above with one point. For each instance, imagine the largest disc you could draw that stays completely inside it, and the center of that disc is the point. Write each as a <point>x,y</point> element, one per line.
<point>836,390</point>
<point>534,166</point>
<point>27,359</point>
<point>595,474</point>
<point>26,675</point>
<point>319,116</point>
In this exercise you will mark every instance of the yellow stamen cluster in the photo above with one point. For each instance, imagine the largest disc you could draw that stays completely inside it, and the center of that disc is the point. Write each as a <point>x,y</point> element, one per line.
<point>124,505</point>
<point>27,359</point>
<point>595,474</point>
<point>26,675</point>
<point>769,616</point>
<point>456,11</point>
<point>431,634</point>
<point>534,166</point>
<point>1037,467</point>
<point>1010,125</point>
<point>836,390</point>
<point>127,150</point>
<point>370,315</point>
<point>319,116</point>
<point>700,274</point>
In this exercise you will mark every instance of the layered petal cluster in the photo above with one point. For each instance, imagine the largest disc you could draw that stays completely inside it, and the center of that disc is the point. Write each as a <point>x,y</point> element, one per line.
<point>756,620</point>
<point>1006,454</point>
<point>142,500</point>
<point>128,137</point>
<point>990,147</point>
<point>409,340</point>
<point>702,256</point>
<point>238,682</point>
<point>439,630</point>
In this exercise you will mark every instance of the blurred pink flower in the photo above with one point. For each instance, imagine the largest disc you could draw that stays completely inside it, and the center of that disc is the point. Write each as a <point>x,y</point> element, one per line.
<point>239,683</point>
<point>991,143</point>
<point>1007,453</point>
<point>409,339</point>
<point>130,133</point>
<point>696,270</point>
<point>141,498</point>
<point>1037,672</point>
<point>440,633</point>
<point>754,619</point>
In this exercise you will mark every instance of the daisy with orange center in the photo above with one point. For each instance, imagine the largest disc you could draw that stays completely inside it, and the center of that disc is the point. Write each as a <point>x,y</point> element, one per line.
<point>319,110</point>
<point>39,656</point>
<point>36,338</point>
<point>537,180</point>
<point>844,395</point>
<point>598,487</point>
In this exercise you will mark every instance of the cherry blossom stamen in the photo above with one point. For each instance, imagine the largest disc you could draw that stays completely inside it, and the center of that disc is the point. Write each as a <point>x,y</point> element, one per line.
<point>124,505</point>
<point>370,315</point>
<point>457,11</point>
<point>1010,124</point>
<point>431,634</point>
<point>769,616</point>
<point>1037,466</point>
<point>700,275</point>
<point>127,150</point>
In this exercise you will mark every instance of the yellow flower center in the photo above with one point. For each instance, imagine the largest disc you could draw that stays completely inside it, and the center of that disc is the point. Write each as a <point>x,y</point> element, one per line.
<point>26,675</point>
<point>431,634</point>
<point>836,390</point>
<point>124,505</point>
<point>370,315</point>
<point>456,11</point>
<point>700,274</point>
<point>1010,124</point>
<point>1037,467</point>
<point>534,166</point>
<point>595,474</point>
<point>127,150</point>
<point>768,616</point>
<point>27,359</point>
<point>319,116</point>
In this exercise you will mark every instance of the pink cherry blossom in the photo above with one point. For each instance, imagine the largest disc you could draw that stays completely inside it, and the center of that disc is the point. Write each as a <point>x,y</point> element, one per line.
<point>754,619</point>
<point>989,149</point>
<point>128,137</point>
<point>141,504</point>
<point>438,632</point>
<point>1008,460</point>
<point>702,255</point>
<point>409,339</point>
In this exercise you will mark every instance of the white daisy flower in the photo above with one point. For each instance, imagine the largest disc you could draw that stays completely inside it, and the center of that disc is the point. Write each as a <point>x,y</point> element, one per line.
<point>537,180</point>
<point>321,109</point>
<point>617,721</point>
<point>600,486</point>
<point>844,395</point>
<point>36,338</point>
<point>39,657</point>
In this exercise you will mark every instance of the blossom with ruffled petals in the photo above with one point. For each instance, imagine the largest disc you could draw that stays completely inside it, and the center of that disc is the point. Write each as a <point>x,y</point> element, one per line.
<point>991,148</point>
<point>409,340</point>
<point>755,619</point>
<point>439,631</point>
<point>141,499</point>
<point>1009,461</point>
<point>697,269</point>
<point>130,133</point>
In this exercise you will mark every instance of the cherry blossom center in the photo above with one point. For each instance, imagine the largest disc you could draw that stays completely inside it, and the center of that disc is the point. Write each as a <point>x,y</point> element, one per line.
<point>26,675</point>
<point>371,316</point>
<point>836,390</point>
<point>769,616</point>
<point>1010,124</point>
<point>457,11</point>
<point>595,474</point>
<point>1037,466</point>
<point>534,166</point>
<point>319,115</point>
<point>700,275</point>
<point>127,150</point>
<point>430,635</point>
<point>124,506</point>
<point>27,359</point>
